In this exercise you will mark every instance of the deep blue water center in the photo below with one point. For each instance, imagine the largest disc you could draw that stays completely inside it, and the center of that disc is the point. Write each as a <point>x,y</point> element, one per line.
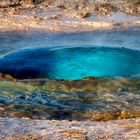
<point>71,63</point>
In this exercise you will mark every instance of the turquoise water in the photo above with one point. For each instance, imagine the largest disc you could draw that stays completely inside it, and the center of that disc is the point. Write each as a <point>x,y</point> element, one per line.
<point>72,63</point>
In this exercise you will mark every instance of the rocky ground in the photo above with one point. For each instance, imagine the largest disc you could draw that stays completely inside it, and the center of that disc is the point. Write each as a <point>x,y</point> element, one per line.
<point>15,129</point>
<point>58,16</point>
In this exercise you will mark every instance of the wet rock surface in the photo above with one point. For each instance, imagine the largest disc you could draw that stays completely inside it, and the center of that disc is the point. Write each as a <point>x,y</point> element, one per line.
<point>91,99</point>
<point>7,77</point>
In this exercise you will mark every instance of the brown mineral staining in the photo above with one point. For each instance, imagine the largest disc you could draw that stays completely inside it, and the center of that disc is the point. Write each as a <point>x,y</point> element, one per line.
<point>105,8</point>
<point>111,115</point>
<point>82,15</point>
<point>135,2</point>
<point>22,114</point>
<point>1,110</point>
<point>24,137</point>
<point>89,78</point>
<point>7,77</point>
<point>76,135</point>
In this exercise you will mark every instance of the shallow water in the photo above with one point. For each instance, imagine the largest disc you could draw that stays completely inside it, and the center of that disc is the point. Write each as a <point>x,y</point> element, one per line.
<point>127,38</point>
<point>104,103</point>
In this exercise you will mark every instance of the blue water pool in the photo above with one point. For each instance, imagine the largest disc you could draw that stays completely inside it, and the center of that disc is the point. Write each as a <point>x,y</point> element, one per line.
<point>71,63</point>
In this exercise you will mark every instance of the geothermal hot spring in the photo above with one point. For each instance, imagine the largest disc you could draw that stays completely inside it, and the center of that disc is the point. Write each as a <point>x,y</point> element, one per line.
<point>70,57</point>
<point>71,63</point>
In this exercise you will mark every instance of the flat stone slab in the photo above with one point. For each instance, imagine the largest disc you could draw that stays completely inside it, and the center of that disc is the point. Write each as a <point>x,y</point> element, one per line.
<point>13,129</point>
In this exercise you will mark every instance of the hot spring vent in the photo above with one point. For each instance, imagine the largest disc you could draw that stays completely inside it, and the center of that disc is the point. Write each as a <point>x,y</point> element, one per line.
<point>71,63</point>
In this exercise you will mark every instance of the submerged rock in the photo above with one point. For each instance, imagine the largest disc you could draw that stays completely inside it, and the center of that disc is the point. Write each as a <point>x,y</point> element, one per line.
<point>7,77</point>
<point>93,99</point>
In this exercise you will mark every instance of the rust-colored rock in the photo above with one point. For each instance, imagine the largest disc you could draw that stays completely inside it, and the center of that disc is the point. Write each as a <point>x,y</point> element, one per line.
<point>89,78</point>
<point>82,15</point>
<point>7,77</point>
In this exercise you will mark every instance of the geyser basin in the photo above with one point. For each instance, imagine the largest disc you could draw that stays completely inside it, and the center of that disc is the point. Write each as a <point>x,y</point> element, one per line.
<point>71,56</point>
<point>71,63</point>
